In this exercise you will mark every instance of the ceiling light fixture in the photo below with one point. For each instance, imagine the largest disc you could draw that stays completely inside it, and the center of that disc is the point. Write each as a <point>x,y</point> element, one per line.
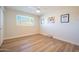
<point>38,11</point>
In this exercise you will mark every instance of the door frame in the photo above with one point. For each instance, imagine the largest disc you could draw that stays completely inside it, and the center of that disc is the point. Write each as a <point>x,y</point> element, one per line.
<point>1,25</point>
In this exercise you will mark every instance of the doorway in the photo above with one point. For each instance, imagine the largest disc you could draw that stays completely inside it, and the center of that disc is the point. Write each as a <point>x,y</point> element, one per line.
<point>1,25</point>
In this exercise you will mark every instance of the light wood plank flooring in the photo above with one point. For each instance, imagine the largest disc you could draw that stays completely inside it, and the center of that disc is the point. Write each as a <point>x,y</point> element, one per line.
<point>37,43</point>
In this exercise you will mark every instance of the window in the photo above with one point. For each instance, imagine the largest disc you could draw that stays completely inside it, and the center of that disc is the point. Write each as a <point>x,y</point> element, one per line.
<point>24,20</point>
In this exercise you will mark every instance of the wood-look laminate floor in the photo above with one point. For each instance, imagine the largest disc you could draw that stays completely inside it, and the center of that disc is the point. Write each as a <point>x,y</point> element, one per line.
<point>38,43</point>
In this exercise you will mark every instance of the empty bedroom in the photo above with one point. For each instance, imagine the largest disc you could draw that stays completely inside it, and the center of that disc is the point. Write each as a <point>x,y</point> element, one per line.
<point>39,29</point>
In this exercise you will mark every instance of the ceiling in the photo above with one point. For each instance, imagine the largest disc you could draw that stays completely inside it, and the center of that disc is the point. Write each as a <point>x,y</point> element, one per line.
<point>28,9</point>
<point>43,9</point>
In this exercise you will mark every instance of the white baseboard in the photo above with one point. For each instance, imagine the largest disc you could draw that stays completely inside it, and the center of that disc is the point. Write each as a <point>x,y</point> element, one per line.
<point>20,36</point>
<point>44,35</point>
<point>69,41</point>
<point>75,43</point>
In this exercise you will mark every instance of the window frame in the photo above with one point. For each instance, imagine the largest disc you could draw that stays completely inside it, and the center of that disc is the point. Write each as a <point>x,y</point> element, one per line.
<point>21,21</point>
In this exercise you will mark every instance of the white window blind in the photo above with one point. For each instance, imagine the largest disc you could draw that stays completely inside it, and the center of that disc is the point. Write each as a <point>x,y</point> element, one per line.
<point>24,20</point>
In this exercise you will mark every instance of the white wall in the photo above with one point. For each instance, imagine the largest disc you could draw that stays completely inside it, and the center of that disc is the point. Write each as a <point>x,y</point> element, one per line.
<point>1,24</point>
<point>11,30</point>
<point>64,31</point>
